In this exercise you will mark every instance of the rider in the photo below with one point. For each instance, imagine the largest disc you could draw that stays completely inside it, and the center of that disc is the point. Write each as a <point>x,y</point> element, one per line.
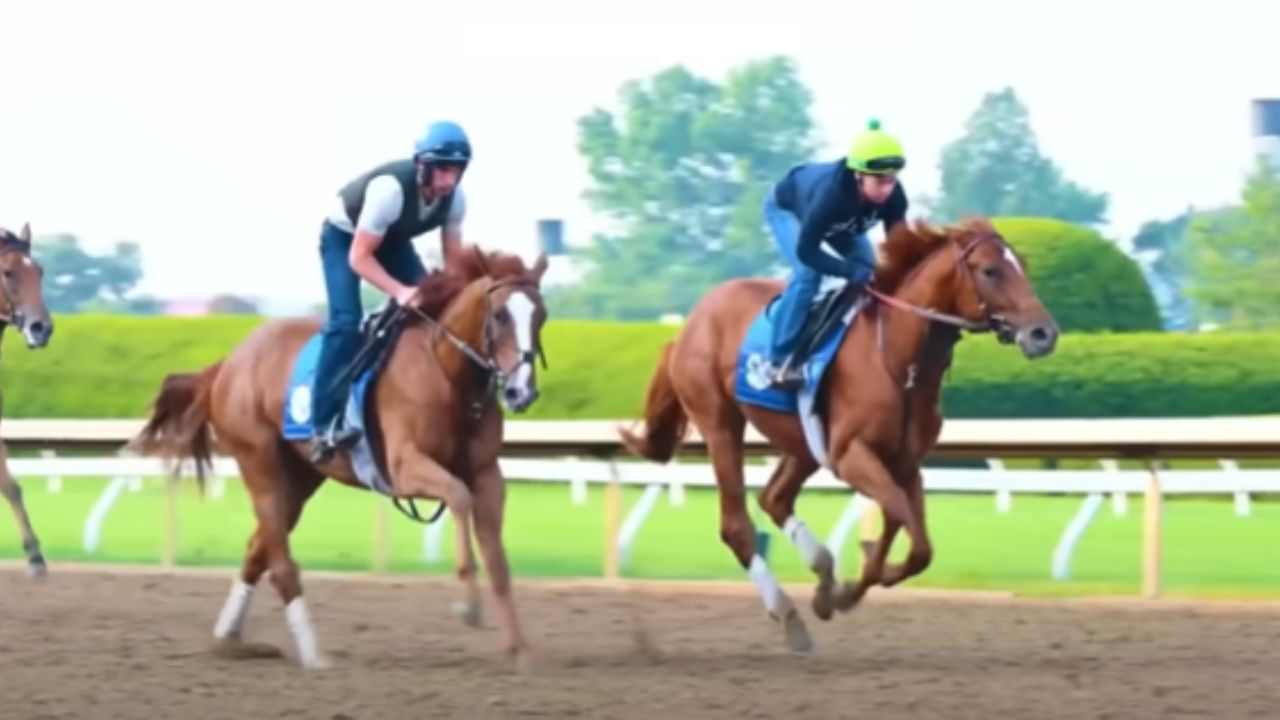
<point>368,236</point>
<point>837,203</point>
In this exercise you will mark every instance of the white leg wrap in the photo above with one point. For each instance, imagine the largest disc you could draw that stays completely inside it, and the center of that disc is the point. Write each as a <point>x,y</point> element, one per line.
<point>802,537</point>
<point>304,636</point>
<point>234,610</point>
<point>775,601</point>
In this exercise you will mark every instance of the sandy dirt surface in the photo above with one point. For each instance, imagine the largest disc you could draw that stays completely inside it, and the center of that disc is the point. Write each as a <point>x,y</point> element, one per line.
<point>136,644</point>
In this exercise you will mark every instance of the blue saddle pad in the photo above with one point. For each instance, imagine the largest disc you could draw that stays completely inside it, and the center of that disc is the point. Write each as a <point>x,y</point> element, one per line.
<point>297,423</point>
<point>752,383</point>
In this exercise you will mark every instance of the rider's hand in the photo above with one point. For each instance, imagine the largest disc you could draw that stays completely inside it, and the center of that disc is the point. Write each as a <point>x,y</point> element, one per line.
<point>859,273</point>
<point>405,295</point>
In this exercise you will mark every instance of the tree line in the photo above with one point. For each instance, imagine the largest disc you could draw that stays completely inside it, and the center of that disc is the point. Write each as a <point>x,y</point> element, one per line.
<point>679,170</point>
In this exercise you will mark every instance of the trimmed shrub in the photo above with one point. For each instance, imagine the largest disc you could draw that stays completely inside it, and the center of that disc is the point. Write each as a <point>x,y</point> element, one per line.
<point>1087,283</point>
<point>111,366</point>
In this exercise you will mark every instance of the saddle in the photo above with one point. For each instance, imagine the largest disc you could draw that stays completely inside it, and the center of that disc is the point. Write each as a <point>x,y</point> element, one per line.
<point>826,314</point>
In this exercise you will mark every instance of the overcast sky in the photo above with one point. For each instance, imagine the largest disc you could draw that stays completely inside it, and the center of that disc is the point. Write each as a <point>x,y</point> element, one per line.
<point>215,133</point>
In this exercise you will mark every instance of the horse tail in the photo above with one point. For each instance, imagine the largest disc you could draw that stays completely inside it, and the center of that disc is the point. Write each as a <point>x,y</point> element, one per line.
<point>665,421</point>
<point>179,426</point>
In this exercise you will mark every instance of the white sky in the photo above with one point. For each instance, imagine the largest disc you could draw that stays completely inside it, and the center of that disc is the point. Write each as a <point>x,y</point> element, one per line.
<point>215,133</point>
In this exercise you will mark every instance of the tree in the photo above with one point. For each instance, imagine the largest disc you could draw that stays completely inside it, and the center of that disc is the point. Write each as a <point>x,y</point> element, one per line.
<point>1235,260</point>
<point>75,278</point>
<point>681,172</point>
<point>996,168</point>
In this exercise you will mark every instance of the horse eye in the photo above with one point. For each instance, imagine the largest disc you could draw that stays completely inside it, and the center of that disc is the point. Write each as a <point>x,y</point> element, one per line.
<point>991,272</point>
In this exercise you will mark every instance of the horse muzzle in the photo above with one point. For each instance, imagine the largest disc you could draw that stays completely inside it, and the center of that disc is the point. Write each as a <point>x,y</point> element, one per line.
<point>1037,340</point>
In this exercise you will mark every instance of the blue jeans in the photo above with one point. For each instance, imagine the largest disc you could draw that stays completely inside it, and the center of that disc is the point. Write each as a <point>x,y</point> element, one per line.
<point>341,334</point>
<point>793,306</point>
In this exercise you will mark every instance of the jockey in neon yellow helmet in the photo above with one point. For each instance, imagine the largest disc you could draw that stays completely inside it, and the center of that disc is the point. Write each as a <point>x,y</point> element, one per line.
<point>833,203</point>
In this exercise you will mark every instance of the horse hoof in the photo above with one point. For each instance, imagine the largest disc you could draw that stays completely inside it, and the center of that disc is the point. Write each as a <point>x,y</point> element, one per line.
<point>798,638</point>
<point>469,611</point>
<point>822,603</point>
<point>848,596</point>
<point>37,571</point>
<point>522,662</point>
<point>320,662</point>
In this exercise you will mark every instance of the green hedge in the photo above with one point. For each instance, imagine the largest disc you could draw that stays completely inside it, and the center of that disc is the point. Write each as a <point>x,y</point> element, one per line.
<point>1086,282</point>
<point>110,366</point>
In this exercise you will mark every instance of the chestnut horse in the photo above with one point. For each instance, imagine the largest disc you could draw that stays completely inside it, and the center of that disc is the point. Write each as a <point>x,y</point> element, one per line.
<point>22,306</point>
<point>435,429</point>
<point>878,405</point>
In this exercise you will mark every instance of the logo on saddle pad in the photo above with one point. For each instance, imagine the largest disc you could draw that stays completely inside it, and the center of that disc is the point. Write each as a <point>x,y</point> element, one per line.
<point>756,371</point>
<point>753,382</point>
<point>300,404</point>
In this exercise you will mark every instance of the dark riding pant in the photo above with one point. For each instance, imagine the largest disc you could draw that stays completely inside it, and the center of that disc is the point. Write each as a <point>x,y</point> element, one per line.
<point>341,334</point>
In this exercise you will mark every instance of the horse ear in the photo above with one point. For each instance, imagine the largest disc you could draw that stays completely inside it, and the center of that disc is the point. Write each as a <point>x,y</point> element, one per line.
<point>25,233</point>
<point>540,266</point>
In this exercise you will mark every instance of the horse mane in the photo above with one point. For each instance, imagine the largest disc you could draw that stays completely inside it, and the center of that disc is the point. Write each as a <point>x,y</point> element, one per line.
<point>440,288</point>
<point>908,243</point>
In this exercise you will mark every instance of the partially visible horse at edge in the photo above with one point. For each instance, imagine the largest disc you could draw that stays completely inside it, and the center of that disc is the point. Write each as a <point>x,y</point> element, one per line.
<point>435,427</point>
<point>879,400</point>
<point>22,306</point>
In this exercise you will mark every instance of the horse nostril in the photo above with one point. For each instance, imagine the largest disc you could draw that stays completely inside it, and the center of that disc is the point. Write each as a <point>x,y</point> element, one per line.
<point>511,394</point>
<point>1041,334</point>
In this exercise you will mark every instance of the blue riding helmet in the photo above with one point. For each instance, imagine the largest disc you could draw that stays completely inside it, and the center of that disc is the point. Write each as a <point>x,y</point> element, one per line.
<point>443,142</point>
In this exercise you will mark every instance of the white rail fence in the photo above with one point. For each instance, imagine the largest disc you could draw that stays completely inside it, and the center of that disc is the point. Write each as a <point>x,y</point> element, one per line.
<point>582,453</point>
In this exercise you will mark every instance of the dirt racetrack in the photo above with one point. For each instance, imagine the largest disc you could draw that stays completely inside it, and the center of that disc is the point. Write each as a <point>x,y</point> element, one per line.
<point>136,644</point>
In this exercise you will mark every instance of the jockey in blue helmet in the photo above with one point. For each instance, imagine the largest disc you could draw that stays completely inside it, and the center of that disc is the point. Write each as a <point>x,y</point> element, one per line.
<point>368,235</point>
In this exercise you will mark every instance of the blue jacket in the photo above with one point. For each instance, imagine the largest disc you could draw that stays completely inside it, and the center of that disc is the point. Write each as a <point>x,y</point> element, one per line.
<point>824,197</point>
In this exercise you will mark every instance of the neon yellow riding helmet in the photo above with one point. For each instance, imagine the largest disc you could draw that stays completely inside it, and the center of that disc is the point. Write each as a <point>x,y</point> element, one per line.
<point>876,152</point>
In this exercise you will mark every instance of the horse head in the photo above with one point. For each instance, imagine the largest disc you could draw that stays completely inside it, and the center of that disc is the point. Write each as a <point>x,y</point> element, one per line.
<point>982,279</point>
<point>21,289</point>
<point>503,297</point>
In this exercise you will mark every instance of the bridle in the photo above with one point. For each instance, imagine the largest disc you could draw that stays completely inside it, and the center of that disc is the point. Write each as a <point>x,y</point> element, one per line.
<point>12,313</point>
<point>484,360</point>
<point>991,322</point>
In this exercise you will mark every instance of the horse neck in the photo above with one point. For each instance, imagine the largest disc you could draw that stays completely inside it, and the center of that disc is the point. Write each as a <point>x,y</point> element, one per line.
<point>905,333</point>
<point>464,320</point>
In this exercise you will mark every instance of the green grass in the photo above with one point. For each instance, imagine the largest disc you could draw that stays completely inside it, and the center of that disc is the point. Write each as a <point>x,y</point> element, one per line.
<point>1208,551</point>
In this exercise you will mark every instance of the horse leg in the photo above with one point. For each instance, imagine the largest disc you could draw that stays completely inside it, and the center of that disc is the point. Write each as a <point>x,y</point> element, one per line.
<point>724,442</point>
<point>12,492</point>
<point>275,504</point>
<point>230,624</point>
<point>778,500</point>
<point>921,554</point>
<point>490,497</point>
<point>418,476</point>
<point>860,467</point>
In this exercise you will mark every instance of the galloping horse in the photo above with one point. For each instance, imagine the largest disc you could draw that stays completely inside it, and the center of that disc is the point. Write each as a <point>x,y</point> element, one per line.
<point>871,418</point>
<point>22,305</point>
<point>432,428</point>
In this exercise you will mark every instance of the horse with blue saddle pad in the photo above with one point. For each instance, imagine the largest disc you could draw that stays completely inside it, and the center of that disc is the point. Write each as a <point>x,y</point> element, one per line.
<point>426,383</point>
<point>869,406</point>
